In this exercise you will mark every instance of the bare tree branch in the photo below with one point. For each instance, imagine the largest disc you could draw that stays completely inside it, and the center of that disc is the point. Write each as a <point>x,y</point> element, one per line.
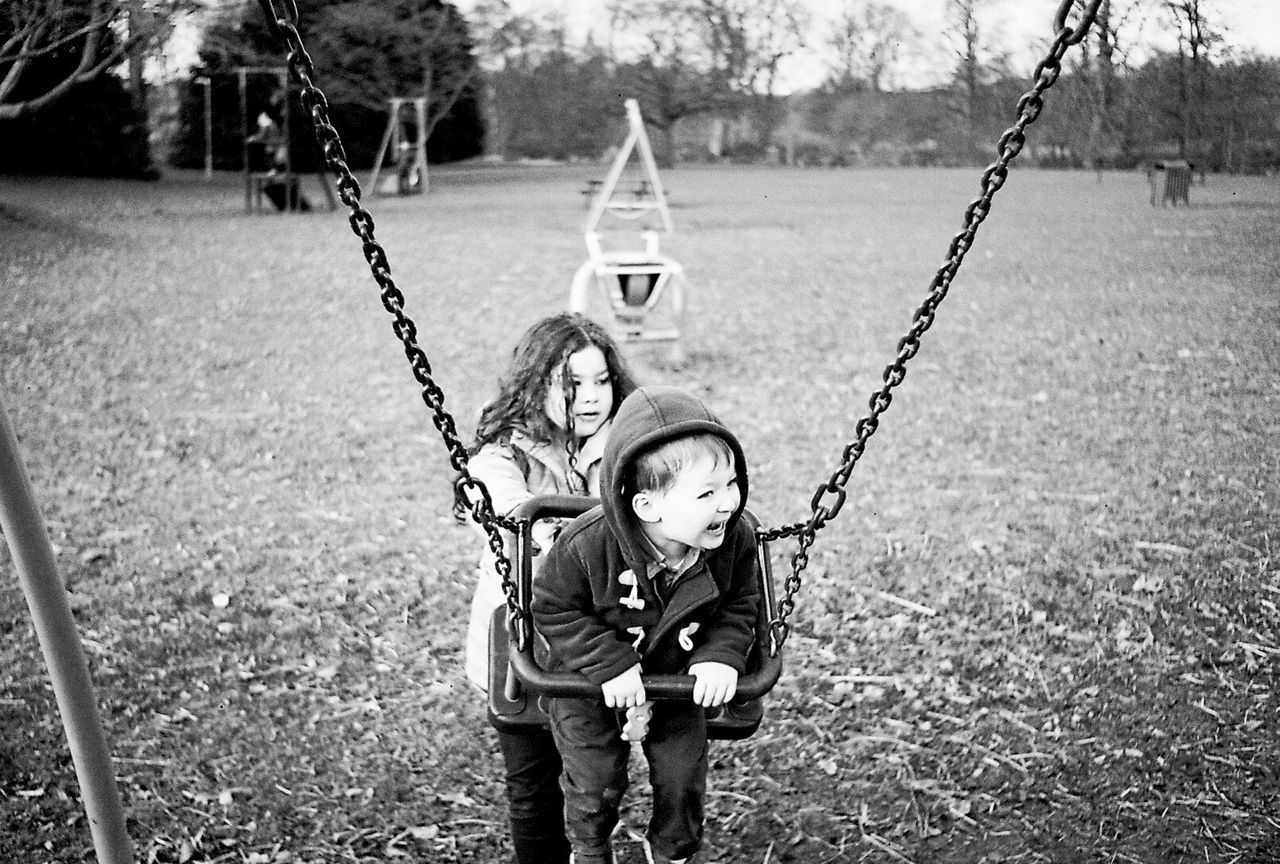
<point>44,28</point>
<point>866,42</point>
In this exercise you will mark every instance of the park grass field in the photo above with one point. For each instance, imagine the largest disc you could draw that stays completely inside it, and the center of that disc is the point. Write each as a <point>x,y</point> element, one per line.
<point>1043,628</point>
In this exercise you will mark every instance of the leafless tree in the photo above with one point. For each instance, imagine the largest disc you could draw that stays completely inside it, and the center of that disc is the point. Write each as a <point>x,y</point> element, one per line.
<point>866,40</point>
<point>660,50</point>
<point>506,39</point>
<point>96,34</point>
<point>747,40</point>
<point>1197,37</point>
<point>738,45</point>
<point>1102,65</point>
<point>982,62</point>
<point>967,34</point>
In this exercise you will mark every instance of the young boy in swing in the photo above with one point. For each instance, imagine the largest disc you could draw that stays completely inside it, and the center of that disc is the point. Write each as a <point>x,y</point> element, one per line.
<point>661,577</point>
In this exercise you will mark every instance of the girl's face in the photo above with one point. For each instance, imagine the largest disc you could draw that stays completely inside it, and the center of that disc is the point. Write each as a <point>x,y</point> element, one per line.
<point>592,405</point>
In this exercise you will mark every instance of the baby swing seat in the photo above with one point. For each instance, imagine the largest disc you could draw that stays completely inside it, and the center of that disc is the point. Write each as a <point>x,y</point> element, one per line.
<point>517,655</point>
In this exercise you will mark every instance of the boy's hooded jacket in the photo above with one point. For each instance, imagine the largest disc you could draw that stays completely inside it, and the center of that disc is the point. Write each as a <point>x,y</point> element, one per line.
<point>578,597</point>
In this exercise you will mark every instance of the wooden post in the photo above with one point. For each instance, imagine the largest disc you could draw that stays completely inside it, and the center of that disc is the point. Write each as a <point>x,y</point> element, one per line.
<point>391,129</point>
<point>243,75</point>
<point>287,143</point>
<point>63,653</point>
<point>207,83</point>
<point>420,146</point>
<point>292,188</point>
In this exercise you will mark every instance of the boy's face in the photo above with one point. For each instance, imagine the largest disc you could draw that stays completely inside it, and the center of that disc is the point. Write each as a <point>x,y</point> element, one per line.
<point>695,510</point>
<point>592,392</point>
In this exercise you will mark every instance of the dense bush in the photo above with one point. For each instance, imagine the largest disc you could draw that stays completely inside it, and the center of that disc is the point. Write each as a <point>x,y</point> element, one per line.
<point>96,130</point>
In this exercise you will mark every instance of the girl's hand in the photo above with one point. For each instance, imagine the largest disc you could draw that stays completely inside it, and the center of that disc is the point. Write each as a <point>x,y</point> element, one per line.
<point>715,685</point>
<point>545,532</point>
<point>624,691</point>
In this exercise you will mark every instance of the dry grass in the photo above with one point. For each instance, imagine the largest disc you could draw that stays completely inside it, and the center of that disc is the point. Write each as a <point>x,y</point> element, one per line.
<point>1079,477</point>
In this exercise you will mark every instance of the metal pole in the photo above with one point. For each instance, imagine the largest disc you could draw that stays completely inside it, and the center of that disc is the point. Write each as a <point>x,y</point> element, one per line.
<point>392,121</point>
<point>420,154</point>
<point>287,144</point>
<point>28,540</point>
<point>244,134</point>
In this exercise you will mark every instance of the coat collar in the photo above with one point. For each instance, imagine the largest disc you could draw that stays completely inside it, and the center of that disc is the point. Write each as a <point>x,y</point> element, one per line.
<point>589,454</point>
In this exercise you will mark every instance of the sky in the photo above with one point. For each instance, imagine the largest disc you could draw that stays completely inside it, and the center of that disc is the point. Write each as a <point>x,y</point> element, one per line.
<point>1024,26</point>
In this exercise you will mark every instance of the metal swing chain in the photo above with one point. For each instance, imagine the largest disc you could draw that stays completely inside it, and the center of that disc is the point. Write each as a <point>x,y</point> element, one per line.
<point>284,28</point>
<point>1010,144</point>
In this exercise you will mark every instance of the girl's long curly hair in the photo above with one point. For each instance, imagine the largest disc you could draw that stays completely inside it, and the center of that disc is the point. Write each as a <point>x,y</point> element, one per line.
<point>542,353</point>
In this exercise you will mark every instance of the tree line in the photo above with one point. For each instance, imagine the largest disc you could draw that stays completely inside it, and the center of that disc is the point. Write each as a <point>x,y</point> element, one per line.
<point>709,75</point>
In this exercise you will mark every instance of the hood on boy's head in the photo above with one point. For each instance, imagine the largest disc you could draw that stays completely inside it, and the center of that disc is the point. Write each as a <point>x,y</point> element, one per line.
<point>646,418</point>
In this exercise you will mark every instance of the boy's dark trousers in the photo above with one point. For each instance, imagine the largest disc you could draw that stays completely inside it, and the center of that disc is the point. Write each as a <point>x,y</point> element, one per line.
<point>588,736</point>
<point>534,800</point>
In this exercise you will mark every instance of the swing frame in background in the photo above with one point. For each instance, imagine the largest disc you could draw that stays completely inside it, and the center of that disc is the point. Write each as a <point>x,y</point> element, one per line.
<point>256,182</point>
<point>392,137</point>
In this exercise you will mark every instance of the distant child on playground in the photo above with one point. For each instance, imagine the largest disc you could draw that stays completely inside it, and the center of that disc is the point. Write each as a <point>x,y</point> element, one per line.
<point>662,577</point>
<point>543,434</point>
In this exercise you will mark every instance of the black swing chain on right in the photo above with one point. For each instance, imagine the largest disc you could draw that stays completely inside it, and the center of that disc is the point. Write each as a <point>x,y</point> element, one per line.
<point>313,99</point>
<point>1010,144</point>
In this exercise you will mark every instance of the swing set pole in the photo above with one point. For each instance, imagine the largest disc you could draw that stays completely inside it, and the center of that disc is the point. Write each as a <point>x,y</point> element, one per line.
<point>24,529</point>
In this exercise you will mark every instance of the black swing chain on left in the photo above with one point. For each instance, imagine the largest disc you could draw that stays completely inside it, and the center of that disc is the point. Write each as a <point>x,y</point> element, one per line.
<point>284,27</point>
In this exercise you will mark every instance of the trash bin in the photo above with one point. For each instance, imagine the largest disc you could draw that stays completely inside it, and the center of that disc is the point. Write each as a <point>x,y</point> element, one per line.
<point>1170,182</point>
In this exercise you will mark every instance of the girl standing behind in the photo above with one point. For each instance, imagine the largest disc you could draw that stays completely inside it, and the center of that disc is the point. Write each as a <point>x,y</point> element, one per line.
<point>543,434</point>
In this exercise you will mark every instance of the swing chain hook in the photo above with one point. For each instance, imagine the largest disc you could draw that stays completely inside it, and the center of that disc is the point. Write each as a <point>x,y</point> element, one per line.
<point>480,505</point>
<point>824,507</point>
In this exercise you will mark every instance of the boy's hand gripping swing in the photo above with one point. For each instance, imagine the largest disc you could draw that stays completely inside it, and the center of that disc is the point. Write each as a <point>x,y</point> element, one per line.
<point>714,683</point>
<point>625,690</point>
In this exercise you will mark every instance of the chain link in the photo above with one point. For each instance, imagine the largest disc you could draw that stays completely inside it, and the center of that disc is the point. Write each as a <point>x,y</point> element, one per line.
<point>830,496</point>
<point>284,27</point>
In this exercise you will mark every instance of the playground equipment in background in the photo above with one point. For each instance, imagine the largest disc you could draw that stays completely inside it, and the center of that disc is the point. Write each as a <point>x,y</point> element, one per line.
<point>406,141</point>
<point>632,280</point>
<point>266,157</point>
<point>1176,185</point>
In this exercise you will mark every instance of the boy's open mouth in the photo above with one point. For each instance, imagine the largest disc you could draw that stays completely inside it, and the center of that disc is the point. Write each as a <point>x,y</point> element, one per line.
<point>716,527</point>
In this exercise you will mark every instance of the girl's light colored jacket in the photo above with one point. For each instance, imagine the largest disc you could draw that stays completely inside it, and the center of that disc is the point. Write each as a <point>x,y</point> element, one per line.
<point>513,473</point>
